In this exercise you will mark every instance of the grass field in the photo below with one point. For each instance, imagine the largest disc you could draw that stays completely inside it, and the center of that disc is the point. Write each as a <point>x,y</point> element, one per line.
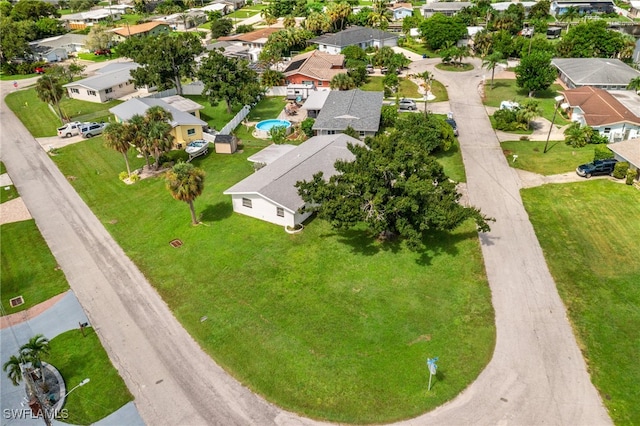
<point>507,90</point>
<point>329,324</point>
<point>590,235</point>
<point>28,267</point>
<point>8,193</point>
<point>559,158</point>
<point>451,160</point>
<point>407,89</point>
<point>4,77</point>
<point>454,67</point>
<point>78,358</point>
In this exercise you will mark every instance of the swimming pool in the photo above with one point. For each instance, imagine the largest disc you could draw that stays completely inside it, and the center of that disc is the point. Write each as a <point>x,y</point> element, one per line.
<point>263,127</point>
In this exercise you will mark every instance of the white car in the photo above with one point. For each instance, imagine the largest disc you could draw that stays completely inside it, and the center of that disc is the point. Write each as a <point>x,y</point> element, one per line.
<point>70,129</point>
<point>92,129</point>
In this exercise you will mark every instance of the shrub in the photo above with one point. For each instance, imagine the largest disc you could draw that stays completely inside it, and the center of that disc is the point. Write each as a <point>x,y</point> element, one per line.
<point>307,126</point>
<point>278,134</point>
<point>134,177</point>
<point>123,175</point>
<point>620,169</point>
<point>389,115</point>
<point>506,119</point>
<point>602,152</point>
<point>631,176</point>
<point>524,138</point>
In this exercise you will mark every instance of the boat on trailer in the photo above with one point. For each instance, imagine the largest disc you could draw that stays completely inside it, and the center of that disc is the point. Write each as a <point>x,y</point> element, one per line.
<point>196,148</point>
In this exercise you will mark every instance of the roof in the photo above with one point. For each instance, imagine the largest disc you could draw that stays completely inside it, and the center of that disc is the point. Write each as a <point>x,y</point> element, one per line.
<point>252,36</point>
<point>91,14</point>
<point>628,149</point>
<point>316,100</point>
<point>182,104</point>
<point>505,5</point>
<point>276,181</point>
<point>582,1</point>
<point>599,106</point>
<point>139,106</point>
<point>398,6</point>
<point>271,153</point>
<point>351,36</point>
<point>138,29</point>
<point>316,64</point>
<point>595,71</point>
<point>355,108</point>
<point>106,80</point>
<point>452,5</point>
<point>59,41</point>
<point>635,4</point>
<point>116,66</point>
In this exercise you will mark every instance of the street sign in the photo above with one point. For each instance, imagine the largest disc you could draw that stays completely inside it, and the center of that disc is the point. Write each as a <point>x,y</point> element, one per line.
<point>433,368</point>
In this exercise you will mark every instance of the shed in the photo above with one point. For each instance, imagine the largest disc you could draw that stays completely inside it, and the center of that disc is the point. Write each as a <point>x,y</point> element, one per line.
<point>225,144</point>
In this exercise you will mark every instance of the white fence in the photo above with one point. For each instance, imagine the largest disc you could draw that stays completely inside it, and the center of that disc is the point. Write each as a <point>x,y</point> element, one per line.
<point>230,126</point>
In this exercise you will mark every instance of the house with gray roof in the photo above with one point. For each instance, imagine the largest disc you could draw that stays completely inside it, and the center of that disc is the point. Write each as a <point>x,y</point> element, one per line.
<point>602,73</point>
<point>270,193</point>
<point>111,82</point>
<point>58,48</point>
<point>354,36</point>
<point>351,108</point>
<point>449,8</point>
<point>186,125</point>
<point>560,7</point>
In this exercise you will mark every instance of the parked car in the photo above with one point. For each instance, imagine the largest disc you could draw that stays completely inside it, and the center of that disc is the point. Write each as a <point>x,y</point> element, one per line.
<point>407,105</point>
<point>102,52</point>
<point>369,69</point>
<point>598,167</point>
<point>41,70</point>
<point>70,129</point>
<point>451,122</point>
<point>92,129</point>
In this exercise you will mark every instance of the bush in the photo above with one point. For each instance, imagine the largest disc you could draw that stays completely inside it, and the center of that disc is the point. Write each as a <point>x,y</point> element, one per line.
<point>307,126</point>
<point>602,152</point>
<point>123,175</point>
<point>389,115</point>
<point>620,169</point>
<point>278,134</point>
<point>631,176</point>
<point>506,119</point>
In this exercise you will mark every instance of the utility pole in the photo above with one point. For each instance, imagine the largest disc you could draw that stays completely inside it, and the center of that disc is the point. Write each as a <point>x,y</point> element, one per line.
<point>557,100</point>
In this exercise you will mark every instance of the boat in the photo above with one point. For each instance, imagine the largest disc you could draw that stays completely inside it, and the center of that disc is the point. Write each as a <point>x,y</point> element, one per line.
<point>196,148</point>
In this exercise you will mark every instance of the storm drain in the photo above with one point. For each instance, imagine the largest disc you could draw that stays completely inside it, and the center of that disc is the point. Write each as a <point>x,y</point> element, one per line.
<point>16,301</point>
<point>176,243</point>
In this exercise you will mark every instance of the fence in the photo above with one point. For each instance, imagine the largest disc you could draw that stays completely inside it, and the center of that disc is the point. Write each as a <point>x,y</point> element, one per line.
<point>230,126</point>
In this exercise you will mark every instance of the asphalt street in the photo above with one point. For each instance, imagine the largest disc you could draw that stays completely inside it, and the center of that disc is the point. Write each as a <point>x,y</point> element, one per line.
<point>536,376</point>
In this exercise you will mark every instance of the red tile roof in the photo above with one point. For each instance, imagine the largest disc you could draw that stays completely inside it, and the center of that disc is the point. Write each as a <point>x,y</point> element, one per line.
<point>137,29</point>
<point>599,106</point>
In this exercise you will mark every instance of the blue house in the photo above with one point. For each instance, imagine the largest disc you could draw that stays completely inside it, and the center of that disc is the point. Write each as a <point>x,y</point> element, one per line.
<point>401,10</point>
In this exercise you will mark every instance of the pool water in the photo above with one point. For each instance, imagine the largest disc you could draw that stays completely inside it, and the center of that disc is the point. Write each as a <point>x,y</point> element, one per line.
<point>267,125</point>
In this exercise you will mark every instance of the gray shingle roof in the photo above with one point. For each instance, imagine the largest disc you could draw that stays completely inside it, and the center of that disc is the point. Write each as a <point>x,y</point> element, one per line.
<point>105,80</point>
<point>351,36</point>
<point>355,108</point>
<point>139,106</point>
<point>452,5</point>
<point>277,180</point>
<point>595,71</point>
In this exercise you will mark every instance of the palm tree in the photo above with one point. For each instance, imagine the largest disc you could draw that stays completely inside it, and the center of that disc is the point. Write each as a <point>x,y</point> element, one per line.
<point>186,183</point>
<point>569,15</point>
<point>49,89</point>
<point>117,136</point>
<point>271,78</point>
<point>482,43</point>
<point>317,22</point>
<point>342,82</point>
<point>159,140</point>
<point>289,21</point>
<point>379,17</point>
<point>138,128</point>
<point>13,367</point>
<point>426,78</point>
<point>634,84</point>
<point>490,62</point>
<point>338,13</point>
<point>32,350</point>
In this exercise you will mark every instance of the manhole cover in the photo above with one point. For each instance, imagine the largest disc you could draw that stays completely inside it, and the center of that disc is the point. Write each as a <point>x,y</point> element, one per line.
<point>16,301</point>
<point>176,243</point>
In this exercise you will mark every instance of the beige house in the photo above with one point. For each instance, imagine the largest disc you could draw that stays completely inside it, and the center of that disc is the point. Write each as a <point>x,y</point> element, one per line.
<point>140,30</point>
<point>110,82</point>
<point>186,123</point>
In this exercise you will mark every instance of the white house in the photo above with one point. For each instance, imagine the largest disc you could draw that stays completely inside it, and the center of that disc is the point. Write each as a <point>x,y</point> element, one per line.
<point>354,36</point>
<point>270,193</point>
<point>82,20</point>
<point>357,109</point>
<point>110,82</point>
<point>601,111</point>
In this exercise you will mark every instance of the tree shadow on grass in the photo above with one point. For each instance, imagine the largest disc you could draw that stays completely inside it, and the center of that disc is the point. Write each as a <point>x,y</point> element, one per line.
<point>439,242</point>
<point>216,212</point>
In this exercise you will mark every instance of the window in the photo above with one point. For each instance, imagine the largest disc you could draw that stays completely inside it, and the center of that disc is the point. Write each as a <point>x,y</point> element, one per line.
<point>279,212</point>
<point>246,202</point>
<point>109,90</point>
<point>91,92</point>
<point>319,82</point>
<point>191,132</point>
<point>74,90</point>
<point>607,129</point>
<point>361,134</point>
<point>331,132</point>
<point>120,85</point>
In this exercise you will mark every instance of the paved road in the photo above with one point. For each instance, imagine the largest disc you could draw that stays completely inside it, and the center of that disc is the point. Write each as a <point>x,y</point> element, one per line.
<point>537,374</point>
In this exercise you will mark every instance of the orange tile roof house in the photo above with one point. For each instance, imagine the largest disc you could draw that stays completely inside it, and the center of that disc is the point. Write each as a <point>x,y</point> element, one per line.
<point>140,30</point>
<point>600,110</point>
<point>254,40</point>
<point>314,68</point>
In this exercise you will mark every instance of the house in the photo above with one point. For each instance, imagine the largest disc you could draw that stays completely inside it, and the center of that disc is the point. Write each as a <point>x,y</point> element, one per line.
<point>445,8</point>
<point>186,125</point>
<point>270,193</point>
<point>254,40</point>
<point>636,53</point>
<point>299,92</point>
<point>559,7</point>
<point>314,103</point>
<point>503,6</point>
<point>351,108</point>
<point>82,20</point>
<point>604,73</point>
<point>110,82</point>
<point>223,8</point>
<point>601,111</point>
<point>233,4</point>
<point>354,36</point>
<point>314,68</point>
<point>634,11</point>
<point>230,49</point>
<point>629,151</point>
<point>185,20</point>
<point>58,48</point>
<point>141,30</point>
<point>401,10</point>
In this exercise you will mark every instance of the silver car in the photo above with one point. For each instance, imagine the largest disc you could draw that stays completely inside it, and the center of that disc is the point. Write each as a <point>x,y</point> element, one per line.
<point>92,129</point>
<point>407,105</point>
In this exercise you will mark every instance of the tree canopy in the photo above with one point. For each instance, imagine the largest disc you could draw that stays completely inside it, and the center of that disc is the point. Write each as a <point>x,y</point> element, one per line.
<point>165,59</point>
<point>229,80</point>
<point>394,186</point>
<point>439,29</point>
<point>591,39</point>
<point>186,183</point>
<point>535,72</point>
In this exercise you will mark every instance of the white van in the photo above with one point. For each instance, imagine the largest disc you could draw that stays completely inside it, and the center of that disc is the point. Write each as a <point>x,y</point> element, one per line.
<point>69,129</point>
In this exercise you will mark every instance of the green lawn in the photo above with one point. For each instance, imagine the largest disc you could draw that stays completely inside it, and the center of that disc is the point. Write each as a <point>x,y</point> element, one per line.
<point>40,120</point>
<point>419,48</point>
<point>507,90</point>
<point>28,267</point>
<point>267,108</point>
<point>454,67</point>
<point>407,89</point>
<point>328,324</point>
<point>78,358</point>
<point>3,168</point>
<point>590,235</point>
<point>215,116</point>
<point>131,19</point>
<point>8,193</point>
<point>4,77</point>
<point>451,160</point>
<point>238,15</point>
<point>559,158</point>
